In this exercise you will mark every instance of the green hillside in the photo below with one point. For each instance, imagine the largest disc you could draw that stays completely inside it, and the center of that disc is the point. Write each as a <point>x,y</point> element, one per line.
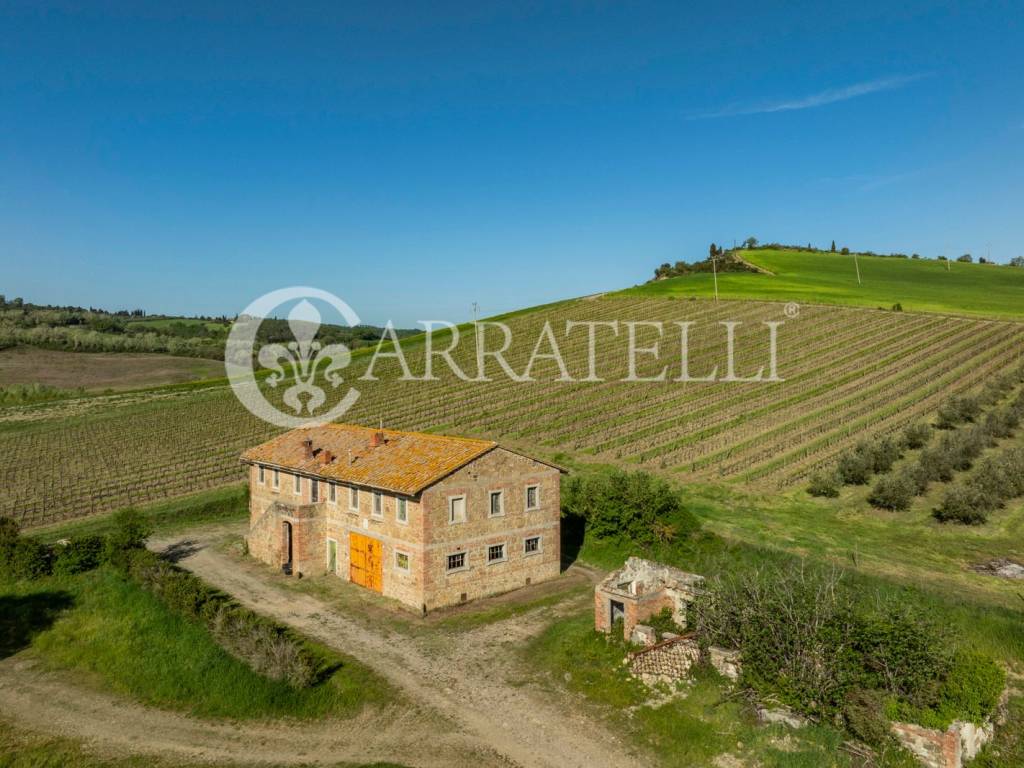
<point>829,278</point>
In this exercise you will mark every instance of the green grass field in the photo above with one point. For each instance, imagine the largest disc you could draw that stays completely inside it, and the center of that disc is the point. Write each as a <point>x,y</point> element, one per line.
<point>90,625</point>
<point>829,278</point>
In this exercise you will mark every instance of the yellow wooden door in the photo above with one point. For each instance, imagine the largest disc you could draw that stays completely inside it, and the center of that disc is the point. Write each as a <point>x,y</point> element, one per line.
<point>366,566</point>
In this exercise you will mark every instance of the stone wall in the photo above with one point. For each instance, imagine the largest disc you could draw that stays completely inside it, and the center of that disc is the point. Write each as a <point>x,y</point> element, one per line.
<point>511,474</point>
<point>944,749</point>
<point>637,608</point>
<point>665,661</point>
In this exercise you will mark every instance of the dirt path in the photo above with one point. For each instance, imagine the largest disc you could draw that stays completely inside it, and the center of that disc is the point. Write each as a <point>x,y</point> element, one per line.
<point>468,704</point>
<point>33,699</point>
<point>465,678</point>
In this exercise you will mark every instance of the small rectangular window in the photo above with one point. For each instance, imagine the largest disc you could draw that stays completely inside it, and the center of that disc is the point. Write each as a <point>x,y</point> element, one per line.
<point>353,499</point>
<point>457,561</point>
<point>314,491</point>
<point>277,478</point>
<point>497,503</point>
<point>495,553</point>
<point>332,492</point>
<point>532,497</point>
<point>298,485</point>
<point>457,509</point>
<point>263,475</point>
<point>378,504</point>
<point>401,511</point>
<point>401,561</point>
<point>531,545</point>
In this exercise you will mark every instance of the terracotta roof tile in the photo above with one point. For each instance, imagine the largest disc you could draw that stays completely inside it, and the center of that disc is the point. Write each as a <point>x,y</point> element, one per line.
<point>404,462</point>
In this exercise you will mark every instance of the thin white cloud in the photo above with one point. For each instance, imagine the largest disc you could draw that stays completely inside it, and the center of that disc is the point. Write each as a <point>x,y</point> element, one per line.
<point>820,99</point>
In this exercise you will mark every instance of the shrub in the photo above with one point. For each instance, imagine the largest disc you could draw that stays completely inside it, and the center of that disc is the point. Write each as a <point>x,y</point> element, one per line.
<point>970,691</point>
<point>884,453</point>
<point>825,484</point>
<point>902,650</point>
<point>958,409</point>
<point>963,446</point>
<point>270,649</point>
<point>917,435</point>
<point>131,529</point>
<point>1001,423</point>
<point>854,467</point>
<point>937,463</point>
<point>9,531</point>
<point>864,717</point>
<point>917,476</point>
<point>663,622</point>
<point>77,556</point>
<point>962,504</point>
<point>810,640</point>
<point>629,505</point>
<point>895,492</point>
<point>30,559</point>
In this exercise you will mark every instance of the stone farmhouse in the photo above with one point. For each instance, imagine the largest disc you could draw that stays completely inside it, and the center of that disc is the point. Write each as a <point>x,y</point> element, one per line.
<point>428,520</point>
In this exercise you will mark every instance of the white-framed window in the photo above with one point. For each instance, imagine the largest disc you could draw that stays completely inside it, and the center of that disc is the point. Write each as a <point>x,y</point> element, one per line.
<point>263,475</point>
<point>456,509</point>
<point>457,561</point>
<point>314,491</point>
<point>277,479</point>
<point>495,503</point>
<point>402,560</point>
<point>532,497</point>
<point>298,485</point>
<point>495,553</point>
<point>332,493</point>
<point>402,510</point>
<point>531,545</point>
<point>378,504</point>
<point>353,499</point>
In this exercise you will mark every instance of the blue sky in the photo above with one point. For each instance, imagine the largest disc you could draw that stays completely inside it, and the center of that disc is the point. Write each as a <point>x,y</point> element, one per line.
<point>414,158</point>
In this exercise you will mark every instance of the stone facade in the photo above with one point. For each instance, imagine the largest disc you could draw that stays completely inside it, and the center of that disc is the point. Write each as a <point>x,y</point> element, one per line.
<point>415,551</point>
<point>641,589</point>
<point>665,661</point>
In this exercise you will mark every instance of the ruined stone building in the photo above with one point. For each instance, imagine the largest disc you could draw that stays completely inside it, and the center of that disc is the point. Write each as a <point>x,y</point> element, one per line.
<point>641,589</point>
<point>429,520</point>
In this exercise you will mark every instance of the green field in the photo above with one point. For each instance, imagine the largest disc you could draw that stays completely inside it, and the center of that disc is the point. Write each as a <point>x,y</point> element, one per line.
<point>91,623</point>
<point>919,285</point>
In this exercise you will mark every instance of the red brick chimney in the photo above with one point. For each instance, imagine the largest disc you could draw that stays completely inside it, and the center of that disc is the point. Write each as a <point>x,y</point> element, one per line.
<point>326,457</point>
<point>376,439</point>
<point>307,447</point>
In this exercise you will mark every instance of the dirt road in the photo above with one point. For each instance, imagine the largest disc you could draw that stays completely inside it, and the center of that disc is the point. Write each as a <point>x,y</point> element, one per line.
<point>469,703</point>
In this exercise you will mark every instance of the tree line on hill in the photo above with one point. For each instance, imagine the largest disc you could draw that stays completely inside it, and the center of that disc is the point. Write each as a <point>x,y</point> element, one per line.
<point>98,330</point>
<point>718,260</point>
<point>721,260</point>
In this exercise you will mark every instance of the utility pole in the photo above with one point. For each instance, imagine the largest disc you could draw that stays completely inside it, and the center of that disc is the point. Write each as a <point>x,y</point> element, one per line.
<point>714,271</point>
<point>857,267</point>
